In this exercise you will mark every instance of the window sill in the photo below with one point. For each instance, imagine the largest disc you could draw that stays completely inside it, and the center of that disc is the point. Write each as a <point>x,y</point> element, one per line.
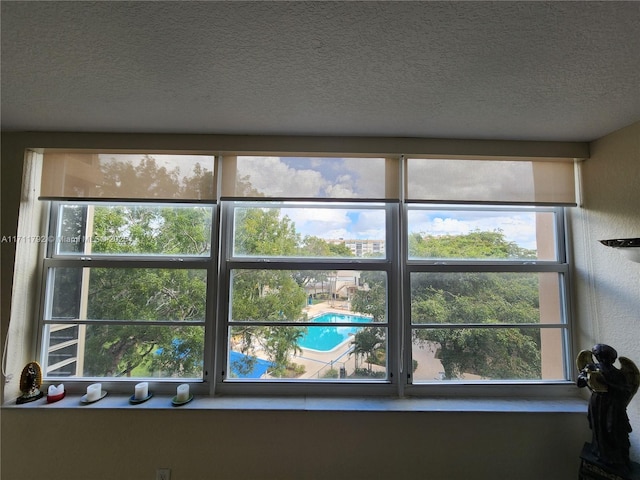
<point>328,404</point>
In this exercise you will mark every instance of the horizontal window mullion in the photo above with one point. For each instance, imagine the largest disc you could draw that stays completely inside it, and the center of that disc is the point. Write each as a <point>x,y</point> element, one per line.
<point>486,267</point>
<point>321,264</point>
<point>164,323</point>
<point>259,202</point>
<point>253,323</point>
<point>120,262</point>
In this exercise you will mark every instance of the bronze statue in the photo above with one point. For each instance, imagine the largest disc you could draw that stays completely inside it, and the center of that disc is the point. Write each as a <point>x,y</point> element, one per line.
<point>30,382</point>
<point>612,389</point>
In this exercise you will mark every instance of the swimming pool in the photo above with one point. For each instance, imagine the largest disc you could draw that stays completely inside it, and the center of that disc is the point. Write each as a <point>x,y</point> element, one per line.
<point>325,339</point>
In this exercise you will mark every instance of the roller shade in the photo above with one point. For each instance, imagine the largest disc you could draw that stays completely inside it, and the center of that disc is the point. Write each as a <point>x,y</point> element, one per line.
<point>491,181</point>
<point>115,176</point>
<point>337,178</point>
<point>191,178</point>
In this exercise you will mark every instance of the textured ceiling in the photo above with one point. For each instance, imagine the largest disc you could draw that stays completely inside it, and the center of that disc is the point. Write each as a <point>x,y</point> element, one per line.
<point>503,70</point>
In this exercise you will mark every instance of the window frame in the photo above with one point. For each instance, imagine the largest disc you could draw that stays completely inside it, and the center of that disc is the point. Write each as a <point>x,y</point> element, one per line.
<point>227,263</point>
<point>53,259</point>
<point>398,303</point>
<point>560,266</point>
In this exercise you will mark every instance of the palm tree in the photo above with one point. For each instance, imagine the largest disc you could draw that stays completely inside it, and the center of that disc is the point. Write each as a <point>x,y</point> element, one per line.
<point>367,342</point>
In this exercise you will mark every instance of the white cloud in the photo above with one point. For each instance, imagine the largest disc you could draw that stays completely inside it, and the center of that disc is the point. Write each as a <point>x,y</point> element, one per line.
<point>272,177</point>
<point>518,228</point>
<point>335,223</point>
<point>323,223</point>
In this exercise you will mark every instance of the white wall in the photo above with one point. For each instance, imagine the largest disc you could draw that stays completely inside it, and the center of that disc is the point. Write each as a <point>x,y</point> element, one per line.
<point>607,285</point>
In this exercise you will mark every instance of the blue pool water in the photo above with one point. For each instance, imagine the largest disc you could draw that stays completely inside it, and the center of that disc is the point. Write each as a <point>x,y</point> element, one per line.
<point>325,339</point>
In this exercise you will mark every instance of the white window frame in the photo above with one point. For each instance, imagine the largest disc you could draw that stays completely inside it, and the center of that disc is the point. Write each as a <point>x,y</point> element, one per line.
<point>560,266</point>
<point>399,331</point>
<point>54,260</point>
<point>389,265</point>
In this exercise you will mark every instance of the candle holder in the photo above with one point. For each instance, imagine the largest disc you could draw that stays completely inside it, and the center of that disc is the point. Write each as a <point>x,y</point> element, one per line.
<point>182,395</point>
<point>56,393</point>
<point>91,395</point>
<point>141,394</point>
<point>134,401</point>
<point>177,402</point>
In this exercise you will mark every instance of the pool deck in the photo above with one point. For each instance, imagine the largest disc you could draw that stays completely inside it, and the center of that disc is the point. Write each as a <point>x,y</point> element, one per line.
<point>317,363</point>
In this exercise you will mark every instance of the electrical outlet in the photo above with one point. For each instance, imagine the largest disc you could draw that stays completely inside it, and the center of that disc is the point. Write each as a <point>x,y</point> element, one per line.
<point>163,474</point>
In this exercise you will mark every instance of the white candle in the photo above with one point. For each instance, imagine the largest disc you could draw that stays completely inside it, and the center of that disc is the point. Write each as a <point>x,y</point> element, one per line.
<point>142,391</point>
<point>183,393</point>
<point>94,391</point>
<point>53,390</point>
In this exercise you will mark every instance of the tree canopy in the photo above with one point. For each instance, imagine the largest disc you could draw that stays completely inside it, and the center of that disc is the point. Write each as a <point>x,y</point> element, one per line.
<point>477,298</point>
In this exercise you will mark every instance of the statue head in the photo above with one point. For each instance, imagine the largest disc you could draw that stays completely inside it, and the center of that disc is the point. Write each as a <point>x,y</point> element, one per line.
<point>604,353</point>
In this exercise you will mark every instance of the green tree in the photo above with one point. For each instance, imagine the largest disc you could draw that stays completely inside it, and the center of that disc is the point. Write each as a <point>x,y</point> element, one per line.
<point>262,232</point>
<point>145,294</point>
<point>139,294</point>
<point>371,299</point>
<point>459,298</point>
<point>477,298</point>
<point>475,245</point>
<point>266,295</point>
<point>317,247</point>
<point>370,344</point>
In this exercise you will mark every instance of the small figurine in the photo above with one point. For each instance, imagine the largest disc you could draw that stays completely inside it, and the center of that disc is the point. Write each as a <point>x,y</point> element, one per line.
<point>611,391</point>
<point>30,382</point>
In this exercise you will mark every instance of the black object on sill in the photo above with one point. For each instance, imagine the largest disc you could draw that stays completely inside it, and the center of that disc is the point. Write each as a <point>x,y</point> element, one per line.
<point>621,242</point>
<point>629,247</point>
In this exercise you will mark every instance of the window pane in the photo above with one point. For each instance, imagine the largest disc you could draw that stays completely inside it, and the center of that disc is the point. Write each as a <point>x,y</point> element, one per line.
<point>129,229</point>
<point>136,351</point>
<point>307,177</point>
<point>62,334</point>
<point>128,294</point>
<point>283,230</point>
<point>64,370</point>
<point>66,293</point>
<point>487,354</point>
<point>476,234</point>
<point>308,295</point>
<point>485,297</point>
<point>307,353</point>
<point>62,354</point>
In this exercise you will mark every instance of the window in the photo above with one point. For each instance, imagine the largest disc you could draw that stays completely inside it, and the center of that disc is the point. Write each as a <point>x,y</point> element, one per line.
<point>305,304</point>
<point>304,274</point>
<point>486,293</point>
<point>128,285</point>
<point>118,304</point>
